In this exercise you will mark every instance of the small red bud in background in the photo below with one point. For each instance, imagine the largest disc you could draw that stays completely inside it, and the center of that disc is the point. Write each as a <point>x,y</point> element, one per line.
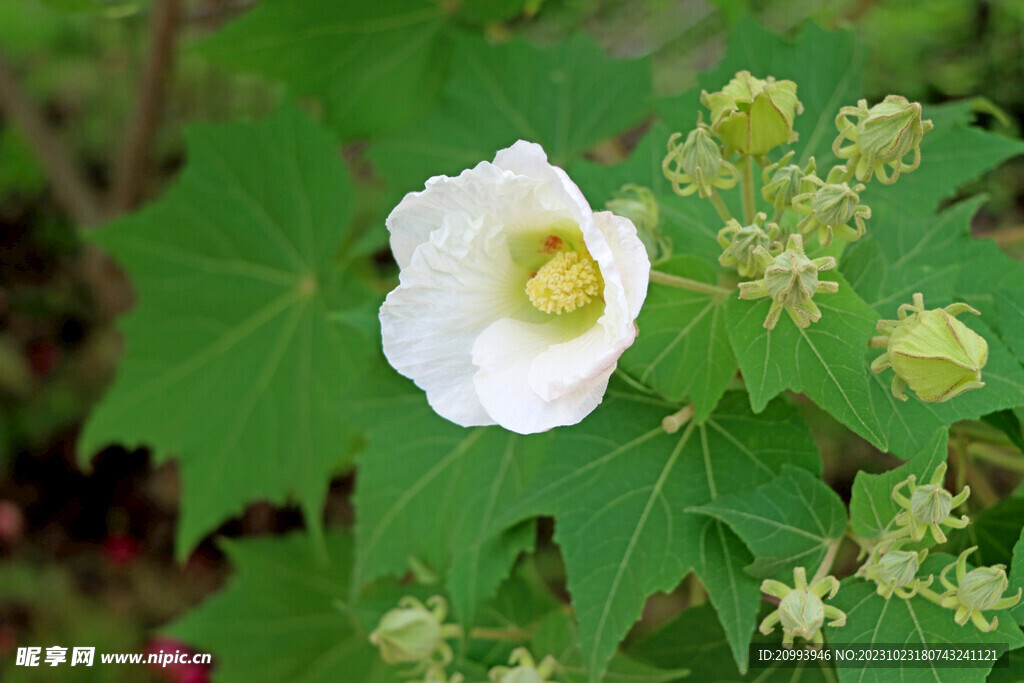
<point>43,356</point>
<point>12,523</point>
<point>120,549</point>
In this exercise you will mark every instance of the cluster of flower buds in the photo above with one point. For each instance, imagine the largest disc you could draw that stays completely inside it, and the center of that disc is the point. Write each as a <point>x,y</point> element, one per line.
<point>801,611</point>
<point>414,633</point>
<point>932,352</point>
<point>791,280</point>
<point>975,592</point>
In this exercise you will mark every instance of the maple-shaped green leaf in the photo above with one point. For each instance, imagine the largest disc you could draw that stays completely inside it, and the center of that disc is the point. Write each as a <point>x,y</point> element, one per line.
<point>682,351</point>
<point>285,616</point>
<point>556,636</point>
<point>826,66</point>
<point>619,486</point>
<point>824,361</point>
<point>1010,319</point>
<point>430,490</point>
<point>375,65</point>
<point>790,521</point>
<point>872,619</point>
<point>566,97</point>
<point>232,364</point>
<point>872,508</point>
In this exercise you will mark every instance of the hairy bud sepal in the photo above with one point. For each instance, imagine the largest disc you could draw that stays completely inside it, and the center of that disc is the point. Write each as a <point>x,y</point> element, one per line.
<point>881,136</point>
<point>791,281</point>
<point>740,241</point>
<point>894,571</point>
<point>801,611</point>
<point>932,352</point>
<point>753,116</point>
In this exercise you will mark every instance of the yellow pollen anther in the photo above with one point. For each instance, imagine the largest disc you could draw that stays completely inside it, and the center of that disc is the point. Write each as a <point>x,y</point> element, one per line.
<point>564,283</point>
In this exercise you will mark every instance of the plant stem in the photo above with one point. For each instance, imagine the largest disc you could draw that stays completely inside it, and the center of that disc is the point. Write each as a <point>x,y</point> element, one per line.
<point>674,422</point>
<point>748,190</point>
<point>481,633</point>
<point>720,207</point>
<point>688,284</point>
<point>826,562</point>
<point>996,456</point>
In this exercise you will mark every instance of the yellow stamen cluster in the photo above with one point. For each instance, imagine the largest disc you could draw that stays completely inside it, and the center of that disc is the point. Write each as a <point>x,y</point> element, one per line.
<point>563,284</point>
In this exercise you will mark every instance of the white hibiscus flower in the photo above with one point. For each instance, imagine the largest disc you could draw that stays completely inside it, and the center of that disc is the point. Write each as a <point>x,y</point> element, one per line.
<point>516,299</point>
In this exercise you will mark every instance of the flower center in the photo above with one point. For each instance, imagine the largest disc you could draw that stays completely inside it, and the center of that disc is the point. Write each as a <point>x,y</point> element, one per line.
<point>563,284</point>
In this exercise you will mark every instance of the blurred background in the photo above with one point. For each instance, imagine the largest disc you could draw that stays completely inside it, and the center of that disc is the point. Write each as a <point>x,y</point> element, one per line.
<point>93,98</point>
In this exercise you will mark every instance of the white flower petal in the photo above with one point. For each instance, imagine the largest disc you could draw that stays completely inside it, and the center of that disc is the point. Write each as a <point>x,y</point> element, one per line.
<point>454,287</point>
<point>506,352</point>
<point>630,257</point>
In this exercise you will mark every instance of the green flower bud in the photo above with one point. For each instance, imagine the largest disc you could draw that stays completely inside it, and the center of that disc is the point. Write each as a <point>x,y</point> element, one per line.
<point>932,352</point>
<point>881,136</point>
<point>411,632</point>
<point>931,504</point>
<point>782,182</point>
<point>697,164</point>
<point>524,669</point>
<point>639,205</point>
<point>831,208</point>
<point>791,280</point>
<point>983,587</point>
<point>801,613</point>
<point>740,241</point>
<point>753,116</point>
<point>897,568</point>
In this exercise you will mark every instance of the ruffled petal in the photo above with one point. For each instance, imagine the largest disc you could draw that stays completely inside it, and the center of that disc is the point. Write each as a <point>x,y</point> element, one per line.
<point>630,256</point>
<point>457,284</point>
<point>505,353</point>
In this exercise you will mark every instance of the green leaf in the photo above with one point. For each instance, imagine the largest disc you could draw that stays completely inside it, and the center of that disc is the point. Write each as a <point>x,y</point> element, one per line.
<point>682,351</point>
<point>567,98</point>
<point>824,361</point>
<point>376,65</point>
<point>431,490</point>
<point>556,636</point>
<point>231,363</point>
<point>285,616</point>
<point>994,531</point>
<point>825,65</point>
<point>695,639</point>
<point>871,505</point>
<point>619,478</point>
<point>1017,577</point>
<point>790,521</point>
<point>872,619</point>
<point>1010,317</point>
<point>688,223</point>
